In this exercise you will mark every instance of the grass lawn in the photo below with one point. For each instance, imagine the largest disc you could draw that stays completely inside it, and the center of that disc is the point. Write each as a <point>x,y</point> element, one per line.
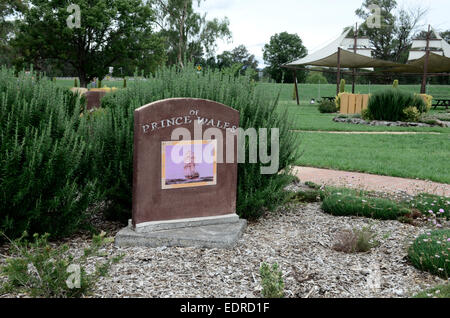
<point>308,91</point>
<point>410,156</point>
<point>307,117</point>
<point>69,83</point>
<point>419,156</point>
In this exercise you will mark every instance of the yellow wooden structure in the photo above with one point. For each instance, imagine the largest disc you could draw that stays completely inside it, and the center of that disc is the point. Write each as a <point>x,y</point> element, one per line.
<point>353,103</point>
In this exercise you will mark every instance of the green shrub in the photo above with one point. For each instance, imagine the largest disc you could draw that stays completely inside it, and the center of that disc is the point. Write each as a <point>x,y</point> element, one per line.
<point>427,99</point>
<point>112,135</point>
<point>327,106</point>
<point>41,270</point>
<point>313,185</point>
<point>73,102</point>
<point>411,114</point>
<point>44,163</point>
<point>337,101</point>
<point>341,204</point>
<point>441,291</point>
<point>365,114</point>
<point>390,104</point>
<point>271,281</point>
<point>342,86</point>
<point>75,82</point>
<point>430,252</point>
<point>307,196</point>
<point>316,78</point>
<point>432,204</point>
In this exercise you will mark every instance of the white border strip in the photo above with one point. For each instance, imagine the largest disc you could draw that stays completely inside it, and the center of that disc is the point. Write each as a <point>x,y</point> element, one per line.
<point>207,218</point>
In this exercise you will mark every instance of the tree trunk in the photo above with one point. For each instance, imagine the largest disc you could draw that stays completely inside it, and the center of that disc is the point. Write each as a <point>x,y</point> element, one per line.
<point>181,34</point>
<point>84,80</point>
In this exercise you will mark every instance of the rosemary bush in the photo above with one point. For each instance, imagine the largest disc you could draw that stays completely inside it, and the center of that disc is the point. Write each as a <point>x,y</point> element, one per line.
<point>271,281</point>
<point>42,270</point>
<point>113,134</point>
<point>43,159</point>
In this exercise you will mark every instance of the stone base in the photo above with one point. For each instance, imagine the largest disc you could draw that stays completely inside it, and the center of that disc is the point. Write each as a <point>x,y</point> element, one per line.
<point>151,227</point>
<point>223,235</point>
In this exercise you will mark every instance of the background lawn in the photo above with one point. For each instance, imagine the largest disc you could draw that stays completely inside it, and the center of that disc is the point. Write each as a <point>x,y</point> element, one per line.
<point>411,156</point>
<point>308,91</point>
<point>308,118</point>
<point>70,82</point>
<point>421,156</point>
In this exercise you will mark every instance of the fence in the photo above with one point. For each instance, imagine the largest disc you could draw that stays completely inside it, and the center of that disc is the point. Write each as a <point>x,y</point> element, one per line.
<point>353,103</point>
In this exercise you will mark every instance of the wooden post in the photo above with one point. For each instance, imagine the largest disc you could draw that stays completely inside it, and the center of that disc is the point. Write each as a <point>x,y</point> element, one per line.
<point>296,87</point>
<point>355,51</point>
<point>338,70</point>
<point>423,89</point>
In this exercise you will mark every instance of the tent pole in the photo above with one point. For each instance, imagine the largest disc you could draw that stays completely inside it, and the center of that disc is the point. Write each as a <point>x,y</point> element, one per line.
<point>296,87</point>
<point>338,70</point>
<point>355,51</point>
<point>423,89</point>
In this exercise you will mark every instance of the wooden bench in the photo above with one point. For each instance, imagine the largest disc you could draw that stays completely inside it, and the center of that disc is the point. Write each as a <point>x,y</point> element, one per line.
<point>444,102</point>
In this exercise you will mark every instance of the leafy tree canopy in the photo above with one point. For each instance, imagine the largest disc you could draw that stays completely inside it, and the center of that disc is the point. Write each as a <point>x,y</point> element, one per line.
<point>112,32</point>
<point>188,34</point>
<point>239,55</point>
<point>8,11</point>
<point>283,48</point>
<point>392,39</point>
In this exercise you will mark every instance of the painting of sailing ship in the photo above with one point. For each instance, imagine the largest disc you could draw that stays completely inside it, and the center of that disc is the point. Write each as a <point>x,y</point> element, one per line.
<point>192,170</point>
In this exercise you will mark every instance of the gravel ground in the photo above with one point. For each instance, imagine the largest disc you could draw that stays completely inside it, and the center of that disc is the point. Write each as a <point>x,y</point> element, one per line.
<point>298,237</point>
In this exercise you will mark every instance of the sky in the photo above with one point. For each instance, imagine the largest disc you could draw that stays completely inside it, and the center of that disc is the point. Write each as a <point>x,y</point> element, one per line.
<point>317,22</point>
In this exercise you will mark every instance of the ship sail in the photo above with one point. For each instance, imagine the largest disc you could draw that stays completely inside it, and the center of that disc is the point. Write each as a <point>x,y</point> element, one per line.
<point>189,166</point>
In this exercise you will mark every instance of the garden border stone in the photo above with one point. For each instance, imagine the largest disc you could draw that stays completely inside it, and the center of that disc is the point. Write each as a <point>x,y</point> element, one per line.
<point>359,121</point>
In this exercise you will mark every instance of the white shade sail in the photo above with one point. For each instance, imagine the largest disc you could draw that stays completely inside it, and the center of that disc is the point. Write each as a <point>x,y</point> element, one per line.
<point>437,46</point>
<point>328,56</point>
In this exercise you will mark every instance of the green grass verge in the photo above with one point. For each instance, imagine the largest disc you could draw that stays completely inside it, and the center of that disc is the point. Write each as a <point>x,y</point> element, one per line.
<point>430,252</point>
<point>409,156</point>
<point>340,204</point>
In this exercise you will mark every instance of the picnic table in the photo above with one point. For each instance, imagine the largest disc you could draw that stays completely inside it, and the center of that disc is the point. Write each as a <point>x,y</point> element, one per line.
<point>444,102</point>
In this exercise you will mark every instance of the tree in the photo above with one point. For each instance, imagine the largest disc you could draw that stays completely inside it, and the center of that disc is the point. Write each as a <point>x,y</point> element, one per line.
<point>446,36</point>
<point>188,34</point>
<point>316,78</point>
<point>8,10</point>
<point>239,55</point>
<point>392,40</point>
<point>283,48</point>
<point>111,32</point>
